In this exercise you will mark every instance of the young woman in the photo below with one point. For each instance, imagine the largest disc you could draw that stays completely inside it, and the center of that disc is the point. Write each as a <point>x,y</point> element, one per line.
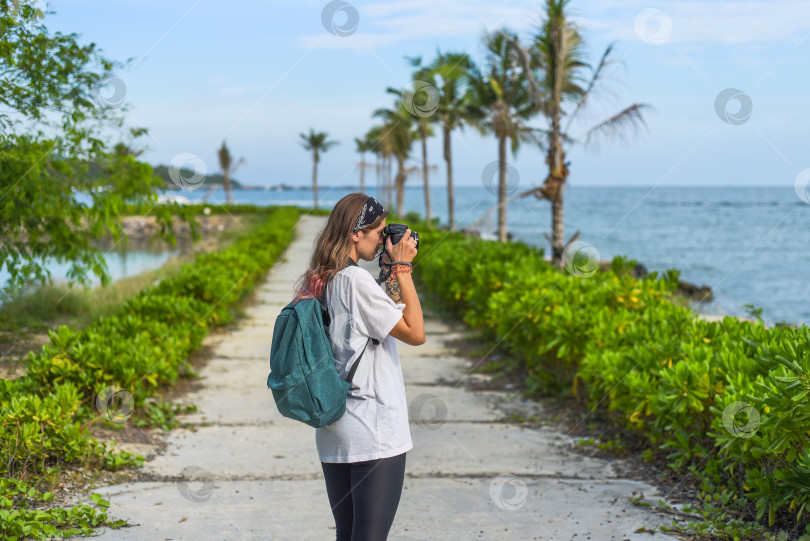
<point>362,454</point>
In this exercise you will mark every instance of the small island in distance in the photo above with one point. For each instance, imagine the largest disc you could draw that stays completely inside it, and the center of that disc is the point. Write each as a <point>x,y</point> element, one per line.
<point>218,181</point>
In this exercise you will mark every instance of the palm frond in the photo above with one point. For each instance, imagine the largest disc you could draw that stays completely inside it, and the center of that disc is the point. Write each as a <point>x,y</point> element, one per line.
<point>604,62</point>
<point>316,141</point>
<point>616,126</point>
<point>415,61</point>
<point>525,61</point>
<point>536,136</point>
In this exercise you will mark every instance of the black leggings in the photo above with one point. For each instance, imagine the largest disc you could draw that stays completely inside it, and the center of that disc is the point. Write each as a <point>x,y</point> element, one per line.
<point>364,496</point>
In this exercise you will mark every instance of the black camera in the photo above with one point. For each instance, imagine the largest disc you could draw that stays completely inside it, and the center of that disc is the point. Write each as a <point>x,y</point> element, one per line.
<point>396,232</point>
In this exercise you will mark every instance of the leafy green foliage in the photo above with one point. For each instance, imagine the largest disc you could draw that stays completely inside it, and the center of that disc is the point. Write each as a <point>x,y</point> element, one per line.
<point>45,415</point>
<point>22,515</point>
<point>162,413</point>
<point>51,150</point>
<point>725,402</point>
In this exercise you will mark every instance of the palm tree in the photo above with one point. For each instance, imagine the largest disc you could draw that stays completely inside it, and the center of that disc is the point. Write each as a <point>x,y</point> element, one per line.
<point>455,108</point>
<point>555,66</point>
<point>363,145</point>
<point>374,138</point>
<point>396,139</point>
<point>317,143</point>
<point>423,100</point>
<point>228,167</point>
<point>382,149</point>
<point>502,95</point>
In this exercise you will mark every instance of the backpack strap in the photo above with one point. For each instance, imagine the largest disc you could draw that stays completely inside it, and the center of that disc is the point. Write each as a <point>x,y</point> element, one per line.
<point>325,312</point>
<point>354,366</point>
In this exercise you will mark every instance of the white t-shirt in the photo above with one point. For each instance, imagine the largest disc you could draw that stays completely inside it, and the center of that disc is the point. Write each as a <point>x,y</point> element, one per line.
<point>375,424</point>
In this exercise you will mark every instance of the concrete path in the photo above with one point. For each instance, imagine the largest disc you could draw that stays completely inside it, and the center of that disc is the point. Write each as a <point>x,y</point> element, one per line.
<point>245,472</point>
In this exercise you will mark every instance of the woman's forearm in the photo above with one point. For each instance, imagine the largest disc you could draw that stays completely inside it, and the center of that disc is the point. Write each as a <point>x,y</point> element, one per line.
<point>401,289</point>
<point>393,290</point>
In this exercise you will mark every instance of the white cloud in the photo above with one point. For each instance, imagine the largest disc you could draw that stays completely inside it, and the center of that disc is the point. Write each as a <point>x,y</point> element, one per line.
<point>726,22</point>
<point>385,23</point>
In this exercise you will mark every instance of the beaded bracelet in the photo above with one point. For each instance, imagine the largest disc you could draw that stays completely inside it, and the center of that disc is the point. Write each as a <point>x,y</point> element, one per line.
<point>397,269</point>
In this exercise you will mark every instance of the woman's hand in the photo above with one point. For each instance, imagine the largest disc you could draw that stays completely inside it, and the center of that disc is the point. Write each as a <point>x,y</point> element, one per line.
<point>404,250</point>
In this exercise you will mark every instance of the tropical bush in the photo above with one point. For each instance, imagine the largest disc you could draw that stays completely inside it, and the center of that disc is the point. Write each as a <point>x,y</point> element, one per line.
<point>724,401</point>
<point>105,371</point>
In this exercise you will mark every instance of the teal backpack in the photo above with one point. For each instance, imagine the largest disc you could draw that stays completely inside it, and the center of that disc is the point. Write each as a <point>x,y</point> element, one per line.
<point>303,377</point>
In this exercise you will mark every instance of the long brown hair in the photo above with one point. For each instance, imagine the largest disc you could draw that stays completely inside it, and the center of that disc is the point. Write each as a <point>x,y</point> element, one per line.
<point>332,246</point>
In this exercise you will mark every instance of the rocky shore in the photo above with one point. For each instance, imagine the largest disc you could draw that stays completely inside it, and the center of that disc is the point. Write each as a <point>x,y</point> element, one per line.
<point>685,289</point>
<point>147,226</point>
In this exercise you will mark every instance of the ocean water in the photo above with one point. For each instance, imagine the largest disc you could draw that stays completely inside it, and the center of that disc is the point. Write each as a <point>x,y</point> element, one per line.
<point>751,245</point>
<point>122,262</point>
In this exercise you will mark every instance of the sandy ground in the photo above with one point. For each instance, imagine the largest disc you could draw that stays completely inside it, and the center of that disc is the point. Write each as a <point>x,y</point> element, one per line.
<point>241,471</point>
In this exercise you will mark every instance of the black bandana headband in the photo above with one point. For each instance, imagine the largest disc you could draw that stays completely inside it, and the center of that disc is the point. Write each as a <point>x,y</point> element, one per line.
<point>371,210</point>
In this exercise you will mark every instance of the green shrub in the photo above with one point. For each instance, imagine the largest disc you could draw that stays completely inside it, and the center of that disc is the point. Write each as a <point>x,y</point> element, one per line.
<point>80,377</point>
<point>619,344</point>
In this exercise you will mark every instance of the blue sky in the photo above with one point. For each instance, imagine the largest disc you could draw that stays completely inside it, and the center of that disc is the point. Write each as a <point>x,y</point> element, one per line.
<point>259,73</point>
